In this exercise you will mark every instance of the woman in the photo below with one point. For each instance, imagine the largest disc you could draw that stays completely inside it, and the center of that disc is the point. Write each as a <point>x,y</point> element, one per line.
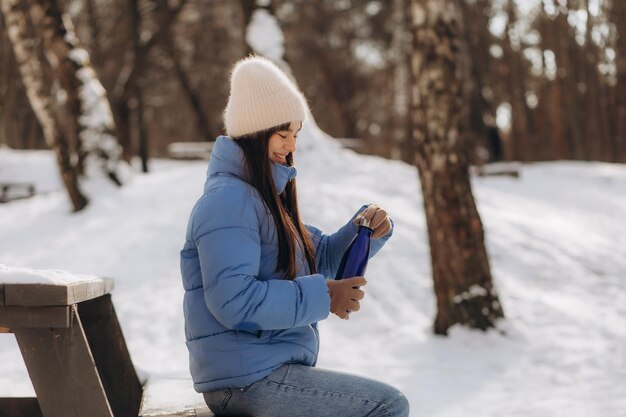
<point>256,278</point>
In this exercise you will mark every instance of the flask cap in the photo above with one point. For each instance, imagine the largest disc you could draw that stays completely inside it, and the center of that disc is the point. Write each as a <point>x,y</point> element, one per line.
<point>364,222</point>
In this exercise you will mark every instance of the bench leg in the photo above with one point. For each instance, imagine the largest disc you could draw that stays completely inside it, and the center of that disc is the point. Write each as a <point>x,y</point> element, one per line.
<point>63,371</point>
<point>19,407</point>
<point>111,355</point>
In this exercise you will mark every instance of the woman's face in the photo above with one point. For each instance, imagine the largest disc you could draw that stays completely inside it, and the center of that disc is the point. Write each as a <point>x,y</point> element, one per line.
<point>283,143</point>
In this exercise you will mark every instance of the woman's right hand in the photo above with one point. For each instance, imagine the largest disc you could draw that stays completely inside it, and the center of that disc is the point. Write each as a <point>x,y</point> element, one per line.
<point>345,295</point>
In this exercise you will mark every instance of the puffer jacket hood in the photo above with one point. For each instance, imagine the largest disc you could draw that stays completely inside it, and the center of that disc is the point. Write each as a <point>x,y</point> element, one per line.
<point>243,319</point>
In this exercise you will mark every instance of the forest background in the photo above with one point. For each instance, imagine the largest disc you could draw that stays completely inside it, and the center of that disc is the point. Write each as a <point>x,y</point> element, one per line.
<point>544,80</point>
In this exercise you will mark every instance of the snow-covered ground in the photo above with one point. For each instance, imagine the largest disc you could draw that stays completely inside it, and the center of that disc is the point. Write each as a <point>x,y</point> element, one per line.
<point>556,237</point>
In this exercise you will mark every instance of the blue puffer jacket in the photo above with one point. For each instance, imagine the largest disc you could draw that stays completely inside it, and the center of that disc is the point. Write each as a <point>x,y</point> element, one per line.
<point>242,318</point>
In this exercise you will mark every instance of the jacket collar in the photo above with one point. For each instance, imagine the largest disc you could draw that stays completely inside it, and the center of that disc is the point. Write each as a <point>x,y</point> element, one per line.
<point>228,158</point>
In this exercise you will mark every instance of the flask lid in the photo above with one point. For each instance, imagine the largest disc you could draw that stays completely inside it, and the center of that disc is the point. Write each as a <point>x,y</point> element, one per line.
<point>364,222</point>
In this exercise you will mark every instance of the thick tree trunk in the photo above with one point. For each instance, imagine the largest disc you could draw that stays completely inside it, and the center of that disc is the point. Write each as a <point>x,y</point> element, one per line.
<point>15,12</point>
<point>462,277</point>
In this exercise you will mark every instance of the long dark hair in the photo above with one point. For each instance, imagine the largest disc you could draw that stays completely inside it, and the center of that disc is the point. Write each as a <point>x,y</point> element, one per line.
<point>284,208</point>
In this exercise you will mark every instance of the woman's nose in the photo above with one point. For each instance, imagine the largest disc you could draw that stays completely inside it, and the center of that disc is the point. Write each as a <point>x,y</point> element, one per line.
<point>290,144</point>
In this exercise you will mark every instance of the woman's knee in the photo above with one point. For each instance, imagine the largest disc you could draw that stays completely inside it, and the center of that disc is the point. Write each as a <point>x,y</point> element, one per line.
<point>398,406</point>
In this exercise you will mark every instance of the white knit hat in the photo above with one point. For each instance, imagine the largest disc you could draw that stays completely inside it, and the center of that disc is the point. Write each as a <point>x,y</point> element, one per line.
<point>261,97</point>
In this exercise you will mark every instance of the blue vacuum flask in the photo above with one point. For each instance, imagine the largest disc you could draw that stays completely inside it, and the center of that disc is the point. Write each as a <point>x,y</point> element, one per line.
<point>354,261</point>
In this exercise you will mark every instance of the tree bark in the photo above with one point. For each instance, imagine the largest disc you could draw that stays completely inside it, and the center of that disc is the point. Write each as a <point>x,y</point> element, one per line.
<point>15,17</point>
<point>461,273</point>
<point>20,128</point>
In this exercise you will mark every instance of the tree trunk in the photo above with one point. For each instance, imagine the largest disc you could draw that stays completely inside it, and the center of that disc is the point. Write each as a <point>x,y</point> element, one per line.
<point>20,127</point>
<point>88,106</point>
<point>594,132</point>
<point>462,277</point>
<point>15,12</point>
<point>401,133</point>
<point>142,131</point>
<point>121,113</point>
<point>128,77</point>
<point>618,17</point>
<point>247,8</point>
<point>136,96</point>
<point>480,109</point>
<point>516,75</point>
<point>195,101</point>
<point>94,26</point>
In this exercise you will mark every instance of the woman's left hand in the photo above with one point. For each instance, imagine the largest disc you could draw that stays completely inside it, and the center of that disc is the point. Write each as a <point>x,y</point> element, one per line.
<point>379,221</point>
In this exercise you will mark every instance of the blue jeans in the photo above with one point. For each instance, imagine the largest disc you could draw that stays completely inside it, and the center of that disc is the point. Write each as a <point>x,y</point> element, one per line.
<point>302,391</point>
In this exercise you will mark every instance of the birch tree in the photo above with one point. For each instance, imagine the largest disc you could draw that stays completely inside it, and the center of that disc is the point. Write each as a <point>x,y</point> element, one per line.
<point>88,114</point>
<point>87,102</point>
<point>15,15</point>
<point>460,266</point>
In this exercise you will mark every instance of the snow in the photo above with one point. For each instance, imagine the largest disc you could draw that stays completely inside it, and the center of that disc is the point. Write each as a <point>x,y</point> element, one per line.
<point>264,27</point>
<point>16,275</point>
<point>555,235</point>
<point>158,394</point>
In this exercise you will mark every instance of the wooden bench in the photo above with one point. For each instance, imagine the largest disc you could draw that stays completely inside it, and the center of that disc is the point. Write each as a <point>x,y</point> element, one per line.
<point>190,150</point>
<point>510,169</point>
<point>10,191</point>
<point>77,358</point>
<point>73,348</point>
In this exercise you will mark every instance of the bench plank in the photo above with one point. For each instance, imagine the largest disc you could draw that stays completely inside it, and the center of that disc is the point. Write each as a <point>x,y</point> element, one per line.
<point>28,317</point>
<point>55,295</point>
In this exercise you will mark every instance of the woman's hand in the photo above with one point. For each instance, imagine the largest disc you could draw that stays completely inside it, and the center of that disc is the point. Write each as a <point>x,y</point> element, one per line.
<point>345,295</point>
<point>379,221</point>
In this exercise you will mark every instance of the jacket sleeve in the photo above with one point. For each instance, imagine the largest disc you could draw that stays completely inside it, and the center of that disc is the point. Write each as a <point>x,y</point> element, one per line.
<point>230,258</point>
<point>329,249</point>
